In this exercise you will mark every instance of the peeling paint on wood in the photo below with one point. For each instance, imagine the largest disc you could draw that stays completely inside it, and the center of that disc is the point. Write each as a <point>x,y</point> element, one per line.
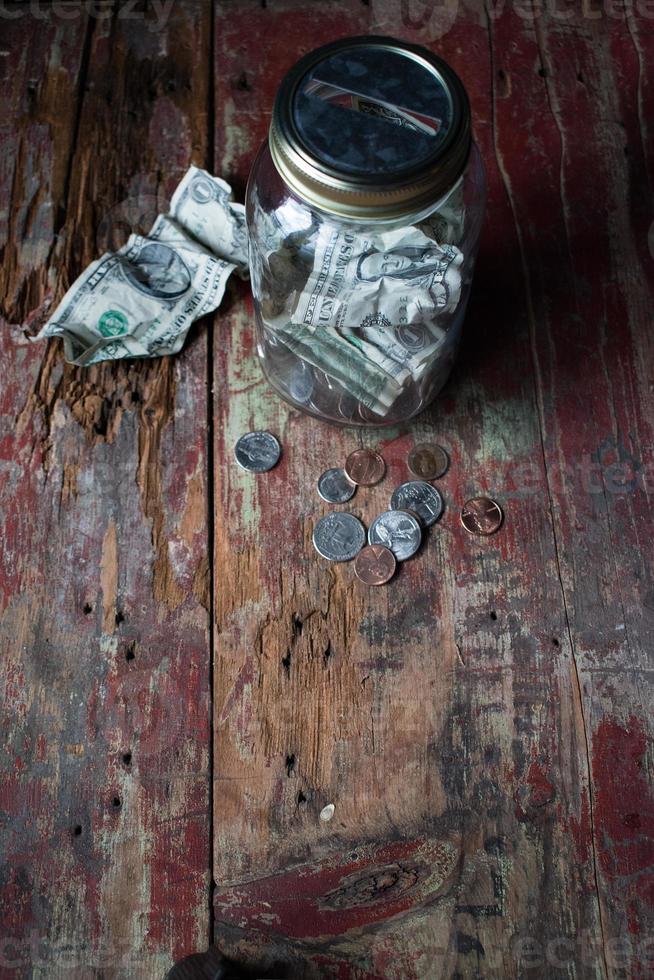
<point>462,701</point>
<point>481,727</point>
<point>103,484</point>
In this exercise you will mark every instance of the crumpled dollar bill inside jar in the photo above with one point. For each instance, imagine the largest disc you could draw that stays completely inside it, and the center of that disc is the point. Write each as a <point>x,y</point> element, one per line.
<point>364,210</point>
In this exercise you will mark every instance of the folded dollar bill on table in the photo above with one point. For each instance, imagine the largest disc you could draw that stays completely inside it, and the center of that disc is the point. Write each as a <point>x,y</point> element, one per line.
<point>141,300</point>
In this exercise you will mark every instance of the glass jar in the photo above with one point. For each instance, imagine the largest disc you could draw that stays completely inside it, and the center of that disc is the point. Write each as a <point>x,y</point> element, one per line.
<point>364,211</point>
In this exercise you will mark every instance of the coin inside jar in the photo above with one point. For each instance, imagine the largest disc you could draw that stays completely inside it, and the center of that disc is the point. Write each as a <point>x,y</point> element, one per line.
<point>481,515</point>
<point>365,467</point>
<point>375,564</point>
<point>428,461</point>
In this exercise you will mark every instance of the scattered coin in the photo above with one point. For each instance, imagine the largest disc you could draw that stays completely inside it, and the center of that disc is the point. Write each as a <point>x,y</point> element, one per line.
<point>428,461</point>
<point>398,531</point>
<point>339,536</point>
<point>257,451</point>
<point>481,515</point>
<point>420,498</point>
<point>375,564</point>
<point>365,467</point>
<point>334,486</point>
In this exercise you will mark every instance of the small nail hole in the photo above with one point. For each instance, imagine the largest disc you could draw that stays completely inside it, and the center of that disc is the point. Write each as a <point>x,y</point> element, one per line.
<point>301,798</point>
<point>127,758</point>
<point>87,609</point>
<point>129,653</point>
<point>493,615</point>
<point>120,618</point>
<point>77,830</point>
<point>116,801</point>
<point>555,642</point>
<point>542,72</point>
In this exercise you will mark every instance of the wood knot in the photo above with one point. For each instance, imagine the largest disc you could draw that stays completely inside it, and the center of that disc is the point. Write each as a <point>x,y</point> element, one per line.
<point>379,885</point>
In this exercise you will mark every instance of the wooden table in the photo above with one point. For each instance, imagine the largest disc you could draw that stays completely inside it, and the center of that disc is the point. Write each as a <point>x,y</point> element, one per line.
<point>185,683</point>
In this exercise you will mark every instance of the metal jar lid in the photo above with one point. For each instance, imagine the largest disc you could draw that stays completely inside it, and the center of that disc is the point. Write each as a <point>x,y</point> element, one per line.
<point>370,128</point>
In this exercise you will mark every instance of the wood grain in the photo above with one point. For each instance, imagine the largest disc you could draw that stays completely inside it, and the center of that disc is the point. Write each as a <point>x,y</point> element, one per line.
<point>456,720</point>
<point>481,726</point>
<point>103,481</point>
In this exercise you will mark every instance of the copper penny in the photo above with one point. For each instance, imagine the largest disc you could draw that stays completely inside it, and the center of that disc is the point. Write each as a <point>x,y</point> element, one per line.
<point>428,461</point>
<point>365,467</point>
<point>481,515</point>
<point>375,564</point>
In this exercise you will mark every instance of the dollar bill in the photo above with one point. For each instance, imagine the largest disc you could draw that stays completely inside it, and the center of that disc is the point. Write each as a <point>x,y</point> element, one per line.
<point>202,204</point>
<point>141,300</point>
<point>374,309</point>
<point>325,349</point>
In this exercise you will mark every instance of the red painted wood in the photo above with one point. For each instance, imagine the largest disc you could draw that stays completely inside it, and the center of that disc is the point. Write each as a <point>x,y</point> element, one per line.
<point>592,351</point>
<point>483,726</point>
<point>103,543</point>
<point>485,669</point>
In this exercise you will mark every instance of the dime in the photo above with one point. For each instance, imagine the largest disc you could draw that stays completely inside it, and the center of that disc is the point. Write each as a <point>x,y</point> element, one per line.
<point>334,486</point>
<point>365,467</point>
<point>339,536</point>
<point>481,515</point>
<point>375,564</point>
<point>420,498</point>
<point>428,461</point>
<point>397,530</point>
<point>257,451</point>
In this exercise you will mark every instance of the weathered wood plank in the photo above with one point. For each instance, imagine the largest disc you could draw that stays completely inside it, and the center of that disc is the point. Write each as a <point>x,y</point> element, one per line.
<point>104,599</point>
<point>442,715</point>
<point>592,346</point>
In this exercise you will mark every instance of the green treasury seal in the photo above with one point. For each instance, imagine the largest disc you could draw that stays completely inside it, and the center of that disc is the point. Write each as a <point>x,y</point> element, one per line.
<point>113,323</point>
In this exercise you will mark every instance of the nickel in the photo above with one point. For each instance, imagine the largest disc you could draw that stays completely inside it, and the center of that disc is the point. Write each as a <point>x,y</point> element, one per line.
<point>334,486</point>
<point>481,515</point>
<point>257,451</point>
<point>420,498</point>
<point>375,564</point>
<point>339,536</point>
<point>365,467</point>
<point>428,461</point>
<point>398,531</point>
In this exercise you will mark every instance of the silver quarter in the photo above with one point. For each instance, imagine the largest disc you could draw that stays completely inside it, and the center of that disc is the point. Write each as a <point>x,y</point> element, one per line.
<point>339,536</point>
<point>257,451</point>
<point>334,486</point>
<point>398,531</point>
<point>420,498</point>
<point>300,386</point>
